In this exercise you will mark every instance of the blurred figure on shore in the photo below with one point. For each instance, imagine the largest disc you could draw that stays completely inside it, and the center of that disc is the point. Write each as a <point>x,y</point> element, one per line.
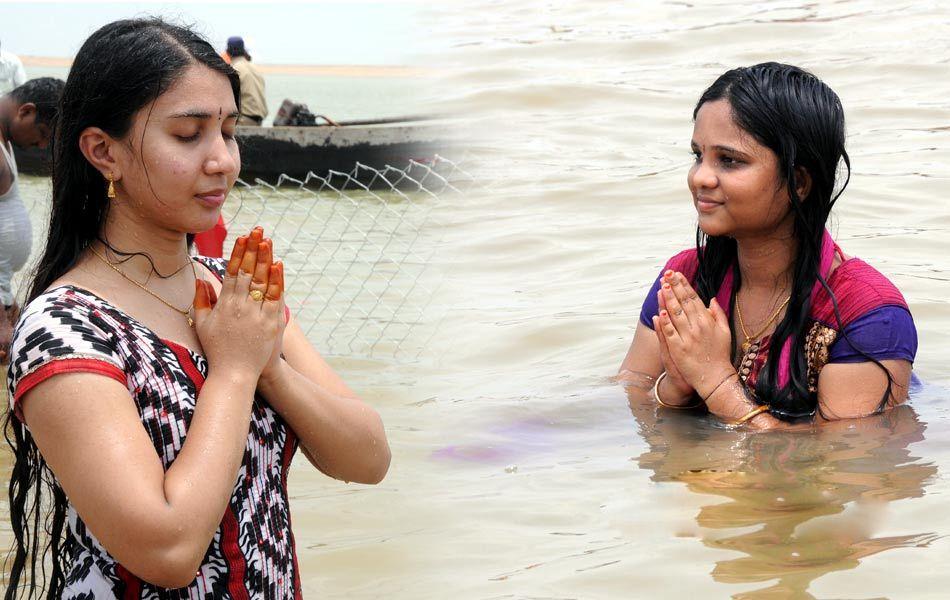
<point>12,74</point>
<point>26,120</point>
<point>253,103</point>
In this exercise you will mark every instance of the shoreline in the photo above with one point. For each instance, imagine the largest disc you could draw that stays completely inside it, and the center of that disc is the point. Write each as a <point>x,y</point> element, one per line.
<point>278,69</point>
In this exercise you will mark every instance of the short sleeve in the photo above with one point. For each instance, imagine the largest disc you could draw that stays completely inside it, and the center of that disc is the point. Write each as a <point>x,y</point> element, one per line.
<point>651,304</point>
<point>59,332</point>
<point>885,333</point>
<point>684,262</point>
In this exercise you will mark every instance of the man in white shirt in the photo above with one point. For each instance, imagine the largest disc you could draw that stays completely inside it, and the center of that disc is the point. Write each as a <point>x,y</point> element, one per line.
<point>12,74</point>
<point>27,115</point>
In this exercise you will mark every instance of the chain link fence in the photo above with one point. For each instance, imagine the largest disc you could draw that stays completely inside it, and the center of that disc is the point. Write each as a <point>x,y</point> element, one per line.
<point>356,247</point>
<point>357,250</point>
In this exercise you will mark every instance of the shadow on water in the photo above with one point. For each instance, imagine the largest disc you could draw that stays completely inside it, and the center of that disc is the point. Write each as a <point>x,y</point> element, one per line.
<point>799,505</point>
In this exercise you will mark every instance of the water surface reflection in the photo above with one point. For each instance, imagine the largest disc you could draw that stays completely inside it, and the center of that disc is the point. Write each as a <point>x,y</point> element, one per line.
<point>796,505</point>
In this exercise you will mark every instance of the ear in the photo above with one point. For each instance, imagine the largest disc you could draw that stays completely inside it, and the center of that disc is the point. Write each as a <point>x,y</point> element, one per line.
<point>802,182</point>
<point>26,110</point>
<point>99,148</point>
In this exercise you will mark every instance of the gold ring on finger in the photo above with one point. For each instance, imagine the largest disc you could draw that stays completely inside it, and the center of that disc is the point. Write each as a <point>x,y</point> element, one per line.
<point>256,295</point>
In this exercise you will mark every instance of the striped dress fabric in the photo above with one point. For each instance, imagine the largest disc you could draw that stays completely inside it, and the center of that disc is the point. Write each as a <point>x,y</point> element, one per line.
<point>252,555</point>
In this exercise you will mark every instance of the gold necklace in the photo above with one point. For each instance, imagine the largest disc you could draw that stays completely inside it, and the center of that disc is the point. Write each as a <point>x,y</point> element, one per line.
<point>186,312</point>
<point>751,338</point>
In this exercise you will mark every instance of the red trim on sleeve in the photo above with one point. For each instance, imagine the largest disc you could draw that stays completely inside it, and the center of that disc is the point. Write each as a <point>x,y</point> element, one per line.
<point>64,365</point>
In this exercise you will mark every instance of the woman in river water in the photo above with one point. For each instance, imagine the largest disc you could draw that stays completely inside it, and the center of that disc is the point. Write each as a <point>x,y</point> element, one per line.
<point>767,322</point>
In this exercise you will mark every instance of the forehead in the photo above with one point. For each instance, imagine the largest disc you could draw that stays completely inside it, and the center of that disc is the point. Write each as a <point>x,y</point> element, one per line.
<point>716,126</point>
<point>198,88</point>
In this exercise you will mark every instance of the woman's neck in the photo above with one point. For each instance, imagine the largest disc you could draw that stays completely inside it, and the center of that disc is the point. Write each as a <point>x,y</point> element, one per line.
<point>767,262</point>
<point>125,233</point>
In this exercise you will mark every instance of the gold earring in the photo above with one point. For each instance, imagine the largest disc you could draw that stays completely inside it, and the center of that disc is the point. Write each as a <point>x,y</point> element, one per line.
<point>110,193</point>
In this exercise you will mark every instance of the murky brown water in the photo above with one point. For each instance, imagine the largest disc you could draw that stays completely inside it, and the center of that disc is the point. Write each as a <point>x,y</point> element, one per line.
<point>580,116</point>
<point>519,470</point>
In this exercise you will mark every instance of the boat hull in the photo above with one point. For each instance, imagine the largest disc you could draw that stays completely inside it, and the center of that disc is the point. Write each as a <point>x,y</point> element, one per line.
<point>329,153</point>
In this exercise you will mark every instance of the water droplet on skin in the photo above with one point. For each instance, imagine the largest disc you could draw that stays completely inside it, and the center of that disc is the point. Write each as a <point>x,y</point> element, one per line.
<point>511,469</point>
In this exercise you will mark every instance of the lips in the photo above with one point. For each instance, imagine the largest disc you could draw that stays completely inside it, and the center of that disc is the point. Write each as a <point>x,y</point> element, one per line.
<point>707,204</point>
<point>212,198</point>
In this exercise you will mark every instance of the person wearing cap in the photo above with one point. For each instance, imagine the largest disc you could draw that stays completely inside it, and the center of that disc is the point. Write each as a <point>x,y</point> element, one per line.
<point>253,103</point>
<point>12,74</point>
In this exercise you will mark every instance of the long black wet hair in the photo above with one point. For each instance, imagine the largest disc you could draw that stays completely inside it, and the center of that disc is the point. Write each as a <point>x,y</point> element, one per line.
<point>119,70</point>
<point>799,118</point>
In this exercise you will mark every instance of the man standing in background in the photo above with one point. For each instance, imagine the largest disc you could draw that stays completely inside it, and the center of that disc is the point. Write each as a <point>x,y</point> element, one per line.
<point>12,74</point>
<point>253,103</point>
<point>26,120</point>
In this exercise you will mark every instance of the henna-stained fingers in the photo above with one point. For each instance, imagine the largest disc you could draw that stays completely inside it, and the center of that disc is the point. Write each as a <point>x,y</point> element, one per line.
<point>250,253</point>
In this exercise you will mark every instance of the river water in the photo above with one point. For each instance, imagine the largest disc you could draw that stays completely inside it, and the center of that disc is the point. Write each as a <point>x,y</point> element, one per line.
<point>552,484</point>
<point>340,97</point>
<point>519,470</point>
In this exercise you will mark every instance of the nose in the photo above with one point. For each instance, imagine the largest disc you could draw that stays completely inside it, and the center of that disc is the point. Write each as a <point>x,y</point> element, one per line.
<point>702,175</point>
<point>220,158</point>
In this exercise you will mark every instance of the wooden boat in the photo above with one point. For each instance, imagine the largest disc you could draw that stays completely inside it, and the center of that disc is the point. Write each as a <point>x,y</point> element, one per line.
<point>327,151</point>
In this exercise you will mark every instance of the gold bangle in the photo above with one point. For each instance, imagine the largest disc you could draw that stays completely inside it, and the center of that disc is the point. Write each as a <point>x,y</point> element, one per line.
<point>758,410</point>
<point>656,396</point>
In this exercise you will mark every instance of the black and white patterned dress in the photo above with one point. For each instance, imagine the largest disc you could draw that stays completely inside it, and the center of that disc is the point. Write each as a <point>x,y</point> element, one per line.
<point>252,555</point>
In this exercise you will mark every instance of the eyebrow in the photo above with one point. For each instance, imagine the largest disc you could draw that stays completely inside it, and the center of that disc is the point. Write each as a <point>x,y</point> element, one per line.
<point>721,148</point>
<point>199,114</point>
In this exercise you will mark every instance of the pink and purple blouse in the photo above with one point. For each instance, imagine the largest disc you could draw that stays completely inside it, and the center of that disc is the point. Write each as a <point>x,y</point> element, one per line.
<point>874,316</point>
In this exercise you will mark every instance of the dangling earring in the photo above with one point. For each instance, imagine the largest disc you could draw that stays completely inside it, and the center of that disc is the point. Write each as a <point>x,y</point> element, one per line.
<point>110,193</point>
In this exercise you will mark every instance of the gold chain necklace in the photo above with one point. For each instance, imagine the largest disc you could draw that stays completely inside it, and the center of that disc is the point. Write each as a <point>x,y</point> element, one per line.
<point>751,338</point>
<point>186,312</point>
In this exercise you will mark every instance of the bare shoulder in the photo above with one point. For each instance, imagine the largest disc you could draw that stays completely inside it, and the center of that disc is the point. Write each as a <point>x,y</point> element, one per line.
<point>81,275</point>
<point>851,390</point>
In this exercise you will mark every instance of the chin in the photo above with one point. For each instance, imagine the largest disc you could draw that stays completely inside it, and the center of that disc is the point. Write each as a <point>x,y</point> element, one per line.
<point>205,223</point>
<point>713,227</point>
